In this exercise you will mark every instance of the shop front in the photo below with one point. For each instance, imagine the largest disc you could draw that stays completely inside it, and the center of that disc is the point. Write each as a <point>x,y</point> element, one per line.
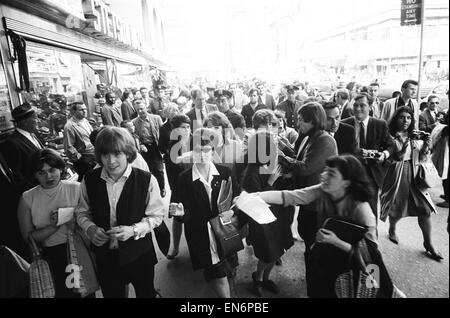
<point>54,53</point>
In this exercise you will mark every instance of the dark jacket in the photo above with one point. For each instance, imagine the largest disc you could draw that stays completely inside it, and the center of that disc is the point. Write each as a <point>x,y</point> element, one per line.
<point>426,121</point>
<point>311,160</point>
<point>269,101</point>
<point>128,111</point>
<point>198,212</point>
<point>377,138</point>
<point>289,108</point>
<point>248,112</point>
<point>9,226</point>
<point>345,139</point>
<point>17,151</point>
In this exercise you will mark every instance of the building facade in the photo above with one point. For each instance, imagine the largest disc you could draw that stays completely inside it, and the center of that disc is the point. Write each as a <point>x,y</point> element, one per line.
<point>54,49</point>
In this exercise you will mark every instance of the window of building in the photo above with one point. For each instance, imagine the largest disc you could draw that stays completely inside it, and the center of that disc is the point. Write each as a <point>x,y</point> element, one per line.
<point>5,102</point>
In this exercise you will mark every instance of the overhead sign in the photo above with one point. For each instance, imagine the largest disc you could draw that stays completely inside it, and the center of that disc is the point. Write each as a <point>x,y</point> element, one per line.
<point>411,12</point>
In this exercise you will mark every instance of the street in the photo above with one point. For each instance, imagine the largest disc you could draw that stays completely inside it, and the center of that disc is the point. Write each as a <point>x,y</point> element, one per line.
<point>411,271</point>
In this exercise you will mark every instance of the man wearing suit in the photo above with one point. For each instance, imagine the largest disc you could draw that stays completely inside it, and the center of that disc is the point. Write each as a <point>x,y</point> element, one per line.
<point>200,109</point>
<point>343,134</point>
<point>427,120</point>
<point>127,107</point>
<point>9,226</point>
<point>223,101</point>
<point>157,104</point>
<point>289,105</point>
<point>251,108</point>
<point>147,127</point>
<point>21,145</point>
<point>371,134</point>
<point>111,115</point>
<point>409,90</point>
<point>265,98</point>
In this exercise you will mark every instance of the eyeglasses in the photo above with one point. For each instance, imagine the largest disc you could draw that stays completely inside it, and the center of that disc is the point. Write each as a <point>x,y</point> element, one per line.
<point>434,103</point>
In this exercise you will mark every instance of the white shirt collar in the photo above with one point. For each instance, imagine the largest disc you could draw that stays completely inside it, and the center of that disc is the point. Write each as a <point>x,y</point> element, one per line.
<point>104,175</point>
<point>25,133</point>
<point>212,172</point>
<point>365,121</point>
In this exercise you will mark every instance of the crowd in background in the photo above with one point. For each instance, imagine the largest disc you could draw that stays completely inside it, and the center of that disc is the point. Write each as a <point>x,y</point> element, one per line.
<point>346,154</point>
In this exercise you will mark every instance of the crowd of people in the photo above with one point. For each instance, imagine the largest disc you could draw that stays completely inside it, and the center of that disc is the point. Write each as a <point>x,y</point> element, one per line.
<point>350,156</point>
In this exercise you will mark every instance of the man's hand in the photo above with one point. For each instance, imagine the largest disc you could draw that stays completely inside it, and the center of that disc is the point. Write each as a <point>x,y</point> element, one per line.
<point>122,232</point>
<point>97,235</point>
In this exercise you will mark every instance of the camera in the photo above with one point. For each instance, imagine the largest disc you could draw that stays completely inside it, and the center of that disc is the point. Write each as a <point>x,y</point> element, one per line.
<point>372,154</point>
<point>419,135</point>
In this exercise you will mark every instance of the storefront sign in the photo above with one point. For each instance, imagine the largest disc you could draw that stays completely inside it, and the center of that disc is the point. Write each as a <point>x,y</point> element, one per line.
<point>105,25</point>
<point>411,12</point>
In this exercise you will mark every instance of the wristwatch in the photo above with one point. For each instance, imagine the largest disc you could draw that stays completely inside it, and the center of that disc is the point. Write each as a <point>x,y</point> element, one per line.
<point>135,232</point>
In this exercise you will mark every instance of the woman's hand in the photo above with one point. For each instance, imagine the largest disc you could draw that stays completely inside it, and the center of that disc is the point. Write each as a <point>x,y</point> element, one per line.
<point>325,236</point>
<point>226,216</point>
<point>176,209</point>
<point>54,217</point>
<point>97,235</point>
<point>122,232</point>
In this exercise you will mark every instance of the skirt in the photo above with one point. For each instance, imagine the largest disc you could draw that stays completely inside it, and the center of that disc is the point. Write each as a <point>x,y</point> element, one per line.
<point>408,200</point>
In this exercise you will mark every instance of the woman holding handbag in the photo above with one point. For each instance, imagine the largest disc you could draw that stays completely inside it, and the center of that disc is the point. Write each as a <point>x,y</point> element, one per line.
<point>195,205</point>
<point>401,195</point>
<point>38,215</point>
<point>344,193</point>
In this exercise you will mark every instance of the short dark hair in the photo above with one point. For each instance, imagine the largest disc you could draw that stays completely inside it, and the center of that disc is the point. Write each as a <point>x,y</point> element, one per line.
<point>195,92</point>
<point>396,94</point>
<point>409,82</point>
<point>366,95</point>
<point>47,156</point>
<point>178,120</point>
<point>114,140</point>
<point>374,84</point>
<point>262,117</point>
<point>261,139</point>
<point>251,91</point>
<point>124,123</point>
<point>74,105</point>
<point>352,170</point>
<point>125,95</point>
<point>315,114</point>
<point>393,129</point>
<point>330,105</point>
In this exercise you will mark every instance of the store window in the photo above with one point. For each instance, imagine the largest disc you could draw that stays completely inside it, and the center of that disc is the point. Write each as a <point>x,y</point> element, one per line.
<point>56,80</point>
<point>5,103</point>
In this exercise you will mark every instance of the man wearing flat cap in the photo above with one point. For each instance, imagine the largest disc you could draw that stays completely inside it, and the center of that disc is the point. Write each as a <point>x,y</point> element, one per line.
<point>289,105</point>
<point>21,145</point>
<point>223,102</point>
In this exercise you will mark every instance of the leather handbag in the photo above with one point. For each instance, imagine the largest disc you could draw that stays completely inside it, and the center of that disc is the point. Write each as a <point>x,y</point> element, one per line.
<point>228,239</point>
<point>162,236</point>
<point>41,279</point>
<point>427,175</point>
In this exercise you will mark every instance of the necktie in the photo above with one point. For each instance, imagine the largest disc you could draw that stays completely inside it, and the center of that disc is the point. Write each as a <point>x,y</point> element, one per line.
<point>362,139</point>
<point>35,141</point>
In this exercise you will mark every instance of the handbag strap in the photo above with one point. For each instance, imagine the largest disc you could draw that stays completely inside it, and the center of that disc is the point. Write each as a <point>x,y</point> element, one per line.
<point>33,245</point>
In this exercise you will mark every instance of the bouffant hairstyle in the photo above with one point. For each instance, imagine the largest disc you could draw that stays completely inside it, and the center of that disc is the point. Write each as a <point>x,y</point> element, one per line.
<point>114,140</point>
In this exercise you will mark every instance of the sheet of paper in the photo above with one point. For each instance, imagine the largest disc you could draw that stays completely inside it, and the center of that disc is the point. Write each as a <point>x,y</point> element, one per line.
<point>255,207</point>
<point>65,215</point>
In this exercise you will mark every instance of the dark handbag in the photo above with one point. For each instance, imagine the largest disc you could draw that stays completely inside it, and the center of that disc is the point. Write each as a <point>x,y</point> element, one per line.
<point>162,236</point>
<point>427,176</point>
<point>228,239</point>
<point>41,279</point>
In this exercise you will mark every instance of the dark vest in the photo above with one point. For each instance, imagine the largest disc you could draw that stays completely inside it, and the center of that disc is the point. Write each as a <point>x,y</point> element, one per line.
<point>130,209</point>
